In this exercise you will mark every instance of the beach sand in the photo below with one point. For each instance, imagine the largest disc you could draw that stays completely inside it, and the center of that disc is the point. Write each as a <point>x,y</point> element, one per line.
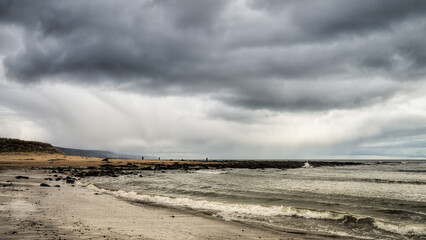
<point>73,211</point>
<point>26,160</point>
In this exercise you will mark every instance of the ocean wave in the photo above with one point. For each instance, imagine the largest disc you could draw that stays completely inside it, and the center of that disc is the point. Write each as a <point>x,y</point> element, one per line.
<point>225,209</point>
<point>409,229</point>
<point>402,229</point>
<point>366,180</point>
<point>232,211</point>
<point>376,180</point>
<point>412,171</point>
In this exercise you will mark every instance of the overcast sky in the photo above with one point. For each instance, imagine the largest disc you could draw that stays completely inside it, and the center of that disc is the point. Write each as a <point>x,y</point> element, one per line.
<point>218,79</point>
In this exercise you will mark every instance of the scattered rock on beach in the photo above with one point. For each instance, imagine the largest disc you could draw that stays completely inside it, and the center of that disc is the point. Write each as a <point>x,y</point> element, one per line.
<point>21,177</point>
<point>70,181</point>
<point>44,185</point>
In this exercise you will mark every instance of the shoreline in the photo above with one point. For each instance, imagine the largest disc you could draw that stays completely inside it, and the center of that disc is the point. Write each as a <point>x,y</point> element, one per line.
<point>67,210</point>
<point>73,211</point>
<point>43,160</point>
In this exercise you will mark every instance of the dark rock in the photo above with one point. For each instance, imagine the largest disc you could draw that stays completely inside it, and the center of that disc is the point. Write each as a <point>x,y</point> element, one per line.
<point>185,167</point>
<point>107,166</point>
<point>70,181</point>
<point>22,177</point>
<point>105,160</point>
<point>57,186</point>
<point>44,185</point>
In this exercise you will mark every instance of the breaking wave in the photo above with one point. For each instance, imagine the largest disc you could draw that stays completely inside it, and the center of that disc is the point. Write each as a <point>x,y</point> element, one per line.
<point>224,209</point>
<point>411,229</point>
<point>230,211</point>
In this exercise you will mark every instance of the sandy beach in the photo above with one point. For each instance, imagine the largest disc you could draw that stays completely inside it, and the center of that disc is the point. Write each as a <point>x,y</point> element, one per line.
<point>28,160</point>
<point>73,211</point>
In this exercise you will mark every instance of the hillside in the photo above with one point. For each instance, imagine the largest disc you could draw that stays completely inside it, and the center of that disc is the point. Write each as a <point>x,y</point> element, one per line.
<point>97,153</point>
<point>17,145</point>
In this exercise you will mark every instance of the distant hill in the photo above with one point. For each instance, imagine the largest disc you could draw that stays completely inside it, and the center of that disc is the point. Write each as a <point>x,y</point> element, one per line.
<point>17,145</point>
<point>98,153</point>
<point>9,145</point>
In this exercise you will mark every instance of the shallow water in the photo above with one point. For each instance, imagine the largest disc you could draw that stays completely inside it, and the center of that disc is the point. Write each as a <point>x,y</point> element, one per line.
<point>375,201</point>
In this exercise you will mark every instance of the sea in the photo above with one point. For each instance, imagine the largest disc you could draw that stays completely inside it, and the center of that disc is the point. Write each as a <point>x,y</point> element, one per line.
<point>376,200</point>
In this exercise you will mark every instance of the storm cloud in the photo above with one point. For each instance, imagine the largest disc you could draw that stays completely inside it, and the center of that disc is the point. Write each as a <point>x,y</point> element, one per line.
<point>277,55</point>
<point>224,78</point>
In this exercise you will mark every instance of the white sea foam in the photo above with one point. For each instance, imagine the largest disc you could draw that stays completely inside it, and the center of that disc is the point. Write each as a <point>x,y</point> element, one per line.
<point>226,210</point>
<point>307,165</point>
<point>411,229</point>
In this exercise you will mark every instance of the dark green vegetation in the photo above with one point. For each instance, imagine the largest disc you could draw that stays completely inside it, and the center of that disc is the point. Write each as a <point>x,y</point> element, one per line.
<point>17,145</point>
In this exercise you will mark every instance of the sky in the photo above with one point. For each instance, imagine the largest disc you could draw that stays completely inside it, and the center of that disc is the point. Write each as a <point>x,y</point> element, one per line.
<point>220,79</point>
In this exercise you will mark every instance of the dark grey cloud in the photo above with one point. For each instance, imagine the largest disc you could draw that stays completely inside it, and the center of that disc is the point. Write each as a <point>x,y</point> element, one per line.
<point>321,95</point>
<point>330,18</point>
<point>276,55</point>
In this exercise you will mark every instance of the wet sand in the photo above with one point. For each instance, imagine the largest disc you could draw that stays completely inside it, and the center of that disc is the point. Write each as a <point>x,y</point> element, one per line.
<point>40,160</point>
